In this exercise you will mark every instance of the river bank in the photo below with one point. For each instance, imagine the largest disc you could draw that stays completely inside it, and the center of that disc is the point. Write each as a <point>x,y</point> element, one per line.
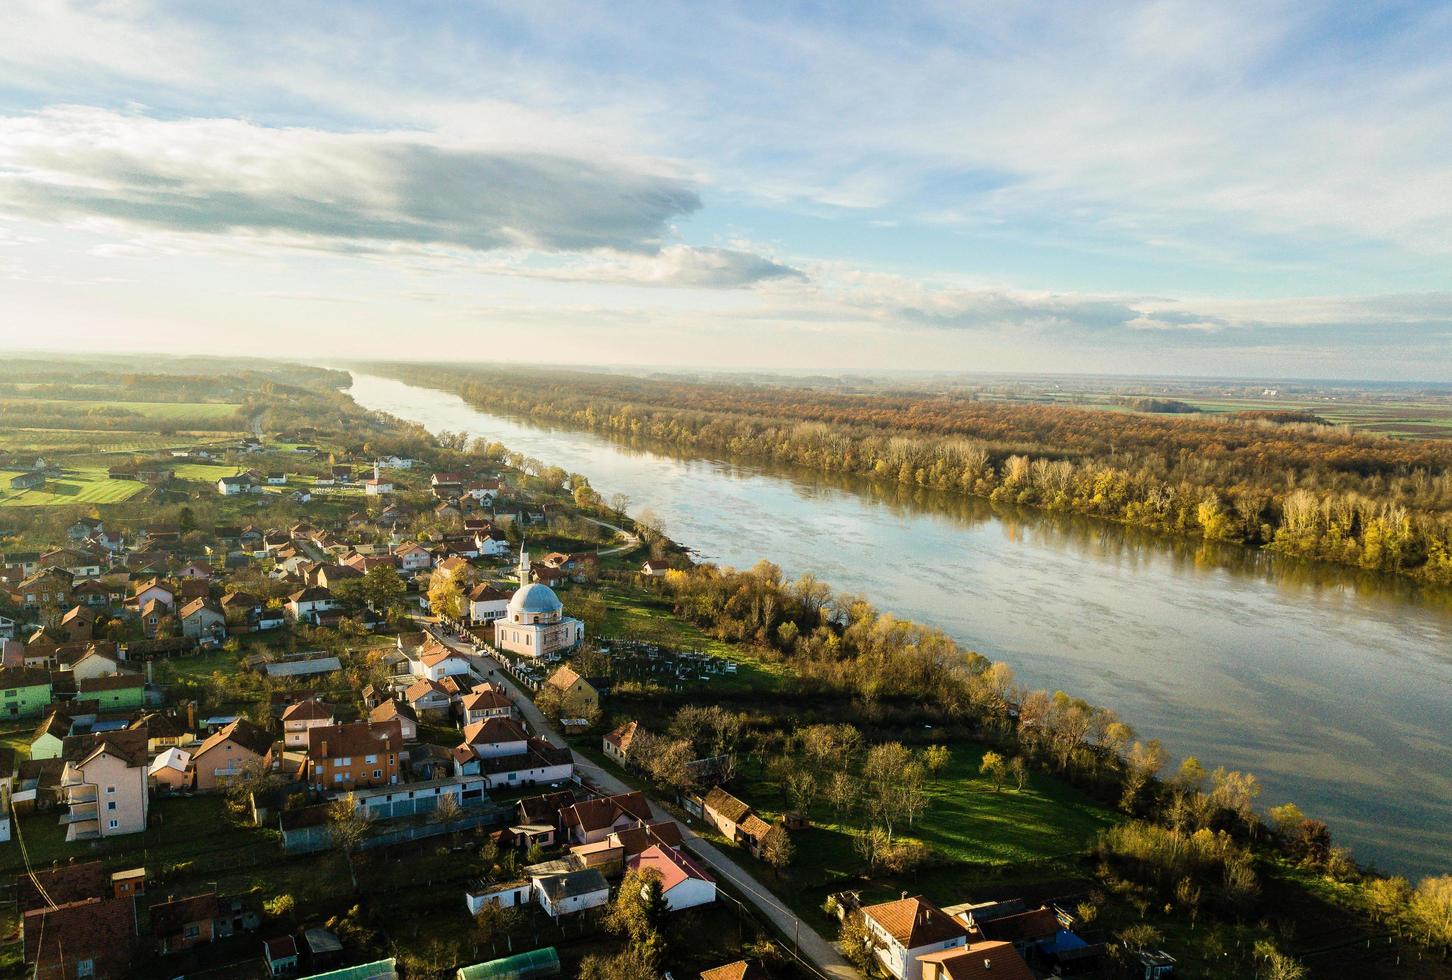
<point>1335,690</point>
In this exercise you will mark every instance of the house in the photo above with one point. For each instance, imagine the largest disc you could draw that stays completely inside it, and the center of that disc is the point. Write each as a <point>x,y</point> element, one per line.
<point>153,617</point>
<point>377,486</point>
<point>162,731</point>
<point>1152,964</point>
<point>413,557</point>
<point>427,698</point>
<point>903,930</point>
<point>195,570</point>
<point>540,762</point>
<point>735,820</point>
<point>684,884</point>
<point>93,664</point>
<point>484,702</point>
<point>1024,930</point>
<point>78,623</point>
<point>24,691</point>
<point>227,753</point>
<point>280,954</point>
<point>300,717</point>
<point>979,961</point>
<point>394,710</point>
<point>182,923</point>
<point>575,691</point>
<point>436,661</point>
<point>740,970</point>
<point>509,894</point>
<point>152,589</point>
<point>231,486</point>
<point>28,481</point>
<point>307,605</point>
<point>203,618</point>
<point>86,939</point>
<point>49,738</point>
<point>51,587</point>
<point>496,737</point>
<point>446,484</point>
<point>589,821</point>
<point>571,892</point>
<point>104,788</point>
<point>357,754</point>
<point>118,692</point>
<point>171,770</point>
<point>616,745</point>
<point>91,594</point>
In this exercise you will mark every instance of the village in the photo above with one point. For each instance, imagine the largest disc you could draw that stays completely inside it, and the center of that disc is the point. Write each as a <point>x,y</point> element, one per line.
<point>463,731</point>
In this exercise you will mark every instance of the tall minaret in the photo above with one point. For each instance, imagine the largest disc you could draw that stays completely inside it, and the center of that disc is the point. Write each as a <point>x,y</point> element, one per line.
<point>523,566</point>
<point>375,470</point>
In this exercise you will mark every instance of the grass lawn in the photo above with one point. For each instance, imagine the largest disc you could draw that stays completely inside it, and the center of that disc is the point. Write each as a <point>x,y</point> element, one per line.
<point>205,472</point>
<point>78,485</point>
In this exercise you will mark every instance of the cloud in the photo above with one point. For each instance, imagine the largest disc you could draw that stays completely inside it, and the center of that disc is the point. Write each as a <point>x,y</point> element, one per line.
<point>222,176</point>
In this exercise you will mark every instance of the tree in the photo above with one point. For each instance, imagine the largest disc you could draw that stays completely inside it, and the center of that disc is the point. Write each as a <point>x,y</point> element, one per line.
<point>347,827</point>
<point>1141,763</point>
<point>936,758</point>
<point>856,943</point>
<point>494,920</point>
<point>1286,818</point>
<point>446,599</point>
<point>994,768</point>
<point>383,588</point>
<point>777,848</point>
<point>842,791</point>
<point>619,503</point>
<point>1432,908</point>
<point>1272,964</point>
<point>641,961</point>
<point>639,911</point>
<point>883,775</point>
<point>1020,771</point>
<point>448,808</point>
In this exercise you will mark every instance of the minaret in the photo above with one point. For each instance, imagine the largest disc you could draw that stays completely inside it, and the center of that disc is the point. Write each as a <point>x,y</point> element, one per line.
<point>375,470</point>
<point>523,566</point>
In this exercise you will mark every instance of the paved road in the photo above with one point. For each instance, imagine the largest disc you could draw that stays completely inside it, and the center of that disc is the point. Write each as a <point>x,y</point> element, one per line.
<point>631,539</point>
<point>829,961</point>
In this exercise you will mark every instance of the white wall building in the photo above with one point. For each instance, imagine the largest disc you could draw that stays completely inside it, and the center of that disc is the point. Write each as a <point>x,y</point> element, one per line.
<point>535,624</point>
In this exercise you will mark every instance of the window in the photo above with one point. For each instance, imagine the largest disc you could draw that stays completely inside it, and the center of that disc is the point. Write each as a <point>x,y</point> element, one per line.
<point>111,805</point>
<point>191,932</point>
<point>338,777</point>
<point>347,760</point>
<point>370,759</point>
<point>114,824</point>
<point>110,790</point>
<point>85,968</point>
<point>378,774</point>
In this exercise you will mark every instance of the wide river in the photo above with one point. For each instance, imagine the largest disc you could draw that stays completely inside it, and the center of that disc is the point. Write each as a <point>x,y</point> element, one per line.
<point>1333,687</point>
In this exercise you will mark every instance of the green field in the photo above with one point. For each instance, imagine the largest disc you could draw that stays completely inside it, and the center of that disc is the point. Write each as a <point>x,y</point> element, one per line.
<point>205,472</point>
<point>42,441</point>
<point>78,485</point>
<point>151,410</point>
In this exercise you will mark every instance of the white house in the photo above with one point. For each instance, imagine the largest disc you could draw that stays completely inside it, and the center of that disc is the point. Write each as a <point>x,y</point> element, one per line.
<point>93,665</point>
<point>304,605</point>
<point>492,543</point>
<point>496,737</point>
<point>508,894</point>
<point>486,603</point>
<point>299,717</point>
<point>231,486</point>
<point>436,661</point>
<point>684,885</point>
<point>572,891</point>
<point>903,930</point>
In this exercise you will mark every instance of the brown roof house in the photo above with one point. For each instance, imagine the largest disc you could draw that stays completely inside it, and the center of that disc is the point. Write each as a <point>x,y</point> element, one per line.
<point>908,928</point>
<point>228,752</point>
<point>592,820</point>
<point>354,755</point>
<point>298,718</point>
<point>980,961</point>
<point>616,745</point>
<point>182,923</point>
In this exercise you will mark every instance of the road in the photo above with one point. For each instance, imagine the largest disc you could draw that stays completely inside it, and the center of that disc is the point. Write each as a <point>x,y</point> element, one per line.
<point>827,959</point>
<point>632,539</point>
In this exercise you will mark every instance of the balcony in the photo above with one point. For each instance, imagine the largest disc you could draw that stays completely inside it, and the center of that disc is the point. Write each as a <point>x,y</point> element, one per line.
<point>84,793</point>
<point>83,831</point>
<point>80,813</point>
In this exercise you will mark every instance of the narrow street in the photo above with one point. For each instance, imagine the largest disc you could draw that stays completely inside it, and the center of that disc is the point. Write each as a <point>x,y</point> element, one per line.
<point>813,946</point>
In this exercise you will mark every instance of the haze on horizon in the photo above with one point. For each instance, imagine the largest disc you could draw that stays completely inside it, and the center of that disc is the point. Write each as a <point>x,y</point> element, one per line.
<point>1170,188</point>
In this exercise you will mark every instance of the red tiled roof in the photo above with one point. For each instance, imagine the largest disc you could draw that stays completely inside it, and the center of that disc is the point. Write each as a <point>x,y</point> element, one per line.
<point>673,866</point>
<point>981,961</point>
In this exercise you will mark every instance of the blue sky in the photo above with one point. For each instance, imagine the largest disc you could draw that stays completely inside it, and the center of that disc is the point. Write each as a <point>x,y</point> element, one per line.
<point>1256,189</point>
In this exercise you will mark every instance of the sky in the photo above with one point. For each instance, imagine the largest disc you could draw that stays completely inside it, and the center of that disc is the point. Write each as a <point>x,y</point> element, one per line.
<point>1244,189</point>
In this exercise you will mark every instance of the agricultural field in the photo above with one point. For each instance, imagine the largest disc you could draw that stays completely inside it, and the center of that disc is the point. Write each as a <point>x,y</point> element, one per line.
<point>42,441</point>
<point>158,411</point>
<point>77,485</point>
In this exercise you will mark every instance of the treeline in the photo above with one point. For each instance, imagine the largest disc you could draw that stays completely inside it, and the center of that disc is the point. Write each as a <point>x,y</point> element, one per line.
<point>1302,488</point>
<point>1195,835</point>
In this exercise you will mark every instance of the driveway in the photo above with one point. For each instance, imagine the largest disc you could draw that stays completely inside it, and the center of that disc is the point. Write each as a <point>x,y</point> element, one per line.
<point>829,962</point>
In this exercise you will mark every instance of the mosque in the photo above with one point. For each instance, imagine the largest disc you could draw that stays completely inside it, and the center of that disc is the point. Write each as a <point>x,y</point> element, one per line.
<point>535,624</point>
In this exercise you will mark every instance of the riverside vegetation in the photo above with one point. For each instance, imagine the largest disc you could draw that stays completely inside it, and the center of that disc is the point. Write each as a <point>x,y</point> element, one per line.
<point>1298,487</point>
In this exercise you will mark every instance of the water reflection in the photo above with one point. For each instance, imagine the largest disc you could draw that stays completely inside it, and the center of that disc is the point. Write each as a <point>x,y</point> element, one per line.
<point>1333,685</point>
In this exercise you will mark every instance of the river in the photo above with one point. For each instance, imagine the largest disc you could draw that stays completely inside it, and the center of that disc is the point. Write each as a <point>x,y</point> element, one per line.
<point>1333,687</point>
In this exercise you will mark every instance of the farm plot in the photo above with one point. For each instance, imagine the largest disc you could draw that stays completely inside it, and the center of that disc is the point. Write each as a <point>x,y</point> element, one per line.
<point>81,485</point>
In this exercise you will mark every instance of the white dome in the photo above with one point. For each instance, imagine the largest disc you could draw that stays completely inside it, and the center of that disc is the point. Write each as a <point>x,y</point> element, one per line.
<point>535,599</point>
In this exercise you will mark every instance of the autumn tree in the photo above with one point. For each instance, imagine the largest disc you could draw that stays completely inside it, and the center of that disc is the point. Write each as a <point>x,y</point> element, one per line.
<point>994,768</point>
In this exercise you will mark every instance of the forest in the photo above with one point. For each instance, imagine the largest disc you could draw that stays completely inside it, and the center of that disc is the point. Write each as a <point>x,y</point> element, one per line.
<point>1298,487</point>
